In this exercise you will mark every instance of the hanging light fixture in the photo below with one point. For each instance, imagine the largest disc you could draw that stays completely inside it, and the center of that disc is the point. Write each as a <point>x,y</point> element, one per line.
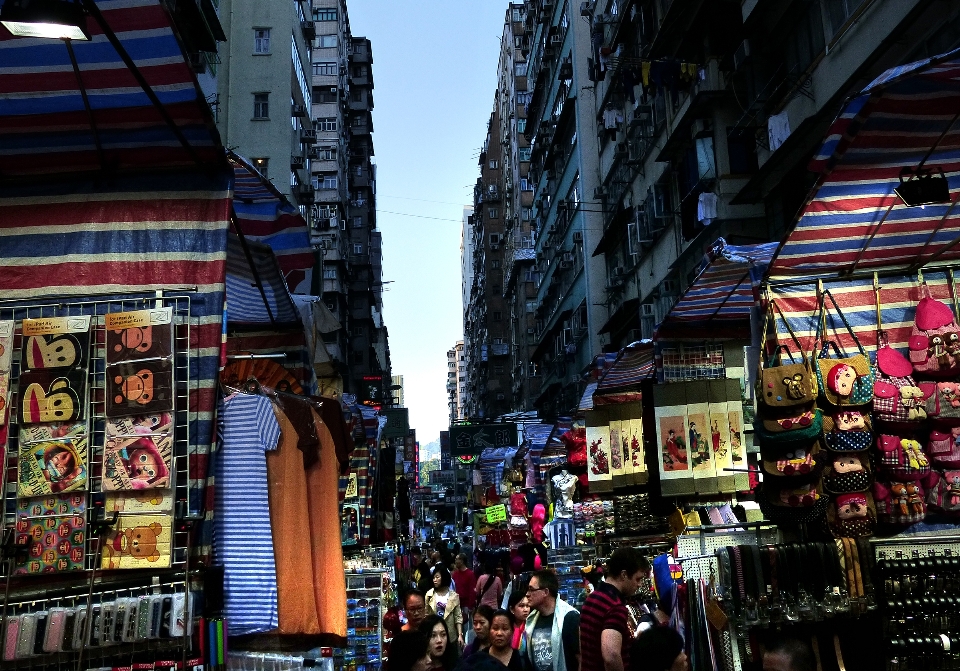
<point>926,188</point>
<point>53,19</point>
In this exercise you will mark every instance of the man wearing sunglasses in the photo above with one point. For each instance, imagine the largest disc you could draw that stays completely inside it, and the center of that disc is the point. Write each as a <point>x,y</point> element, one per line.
<point>553,627</point>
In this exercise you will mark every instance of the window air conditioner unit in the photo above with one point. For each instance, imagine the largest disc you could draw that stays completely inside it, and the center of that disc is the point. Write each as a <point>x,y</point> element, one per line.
<point>669,288</point>
<point>567,258</point>
<point>309,29</point>
<point>531,332</point>
<point>646,309</point>
<point>578,236</point>
<point>297,161</point>
<point>298,110</point>
<point>308,136</point>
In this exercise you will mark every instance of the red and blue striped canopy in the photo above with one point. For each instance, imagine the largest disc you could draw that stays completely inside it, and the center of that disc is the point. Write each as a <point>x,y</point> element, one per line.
<point>719,301</point>
<point>634,364</point>
<point>854,221</point>
<point>263,214</point>
<point>45,127</point>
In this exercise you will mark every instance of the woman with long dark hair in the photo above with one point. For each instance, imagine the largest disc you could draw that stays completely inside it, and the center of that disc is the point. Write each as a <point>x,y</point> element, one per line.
<point>443,652</point>
<point>489,588</point>
<point>408,652</point>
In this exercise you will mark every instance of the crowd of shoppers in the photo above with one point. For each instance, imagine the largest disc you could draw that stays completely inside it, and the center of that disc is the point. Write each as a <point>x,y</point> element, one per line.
<point>524,625</point>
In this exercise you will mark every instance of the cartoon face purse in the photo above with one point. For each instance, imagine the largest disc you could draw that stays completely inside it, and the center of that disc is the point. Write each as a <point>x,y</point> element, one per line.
<point>844,380</point>
<point>785,385</point>
<point>848,430</point>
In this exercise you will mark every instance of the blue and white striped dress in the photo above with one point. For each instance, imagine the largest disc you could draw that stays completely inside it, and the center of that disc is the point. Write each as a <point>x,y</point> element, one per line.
<point>243,542</point>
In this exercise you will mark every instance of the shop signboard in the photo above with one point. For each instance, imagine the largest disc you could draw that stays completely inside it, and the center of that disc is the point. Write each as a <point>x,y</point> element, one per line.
<point>446,478</point>
<point>458,498</point>
<point>398,423</point>
<point>496,514</point>
<point>474,438</point>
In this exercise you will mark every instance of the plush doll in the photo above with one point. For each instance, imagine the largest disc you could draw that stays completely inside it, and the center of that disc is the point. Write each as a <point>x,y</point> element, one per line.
<point>911,398</point>
<point>914,453</point>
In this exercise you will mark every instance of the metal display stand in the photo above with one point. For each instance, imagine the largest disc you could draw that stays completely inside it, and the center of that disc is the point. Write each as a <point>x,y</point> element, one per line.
<point>696,551</point>
<point>365,610</point>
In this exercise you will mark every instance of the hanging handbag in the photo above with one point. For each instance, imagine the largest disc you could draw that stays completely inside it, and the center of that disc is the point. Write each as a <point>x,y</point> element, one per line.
<point>944,495</point>
<point>900,503</point>
<point>896,397</point>
<point>847,472</point>
<point>844,380</point>
<point>942,402</point>
<point>781,385</point>
<point>794,467</point>
<point>935,339</point>
<point>943,447</point>
<point>852,515</point>
<point>902,459</point>
<point>792,506</point>
<point>848,430</point>
<point>789,433</point>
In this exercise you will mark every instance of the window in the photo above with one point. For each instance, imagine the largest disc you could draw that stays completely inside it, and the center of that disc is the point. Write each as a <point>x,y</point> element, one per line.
<point>329,182</point>
<point>356,357</point>
<point>494,164</point>
<point>325,95</point>
<point>358,121</point>
<point>525,212</point>
<point>520,69</point>
<point>326,124</point>
<point>496,263</point>
<point>838,11</point>
<point>358,330</point>
<point>329,273</point>
<point>357,248</point>
<point>524,154</point>
<point>261,105</point>
<point>493,213</point>
<point>526,185</point>
<point>498,370</point>
<point>261,165</point>
<point>357,222</point>
<point>516,15</point>
<point>521,125</point>
<point>359,70</point>
<point>326,41</point>
<point>327,154</point>
<point>496,289</point>
<point>261,40</point>
<point>356,95</point>
<point>531,306</point>
<point>497,341</point>
<point>498,316</point>
<point>325,14</point>
<point>805,41</point>
<point>326,68</point>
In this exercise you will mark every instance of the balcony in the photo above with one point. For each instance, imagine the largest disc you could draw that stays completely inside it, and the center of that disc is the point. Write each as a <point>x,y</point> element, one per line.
<point>308,136</point>
<point>305,193</point>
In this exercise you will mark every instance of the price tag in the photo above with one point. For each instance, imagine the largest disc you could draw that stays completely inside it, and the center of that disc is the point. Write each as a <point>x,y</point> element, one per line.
<point>496,514</point>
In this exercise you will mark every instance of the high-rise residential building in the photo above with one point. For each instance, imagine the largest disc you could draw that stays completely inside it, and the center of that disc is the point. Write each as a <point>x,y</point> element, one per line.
<point>396,390</point>
<point>322,158</point>
<point>520,276</point>
<point>570,308</point>
<point>487,336</point>
<point>657,128</point>
<point>456,382</point>
<point>265,92</point>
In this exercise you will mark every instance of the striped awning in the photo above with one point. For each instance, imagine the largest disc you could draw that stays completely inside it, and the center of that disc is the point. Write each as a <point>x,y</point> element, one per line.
<point>718,302</point>
<point>256,292</point>
<point>264,214</point>
<point>634,364</point>
<point>46,127</point>
<point>854,221</point>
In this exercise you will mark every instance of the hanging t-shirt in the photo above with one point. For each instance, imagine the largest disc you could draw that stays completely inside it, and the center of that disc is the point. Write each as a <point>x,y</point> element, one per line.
<point>243,542</point>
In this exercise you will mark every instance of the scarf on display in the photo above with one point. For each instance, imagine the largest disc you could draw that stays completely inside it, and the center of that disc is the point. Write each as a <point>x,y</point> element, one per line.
<point>556,635</point>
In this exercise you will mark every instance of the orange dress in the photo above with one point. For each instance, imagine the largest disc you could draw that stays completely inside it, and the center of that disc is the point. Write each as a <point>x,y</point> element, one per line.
<point>305,517</point>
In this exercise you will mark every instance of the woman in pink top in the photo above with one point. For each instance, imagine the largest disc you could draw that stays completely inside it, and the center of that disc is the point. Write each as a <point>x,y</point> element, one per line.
<point>489,589</point>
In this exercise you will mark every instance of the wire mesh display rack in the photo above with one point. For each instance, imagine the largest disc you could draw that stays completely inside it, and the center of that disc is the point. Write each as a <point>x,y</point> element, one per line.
<point>77,588</point>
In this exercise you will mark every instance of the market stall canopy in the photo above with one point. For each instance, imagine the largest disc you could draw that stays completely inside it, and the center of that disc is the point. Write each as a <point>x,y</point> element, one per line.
<point>265,215</point>
<point>718,302</point>
<point>854,222</point>
<point>127,99</point>
<point>256,292</point>
<point>621,382</point>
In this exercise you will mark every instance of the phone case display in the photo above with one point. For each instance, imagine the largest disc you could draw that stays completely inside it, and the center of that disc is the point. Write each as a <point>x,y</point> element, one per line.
<point>365,611</point>
<point>138,452</point>
<point>6,360</point>
<point>139,373</point>
<point>54,528</point>
<point>54,358</point>
<point>568,563</point>
<point>52,459</point>
<point>142,536</point>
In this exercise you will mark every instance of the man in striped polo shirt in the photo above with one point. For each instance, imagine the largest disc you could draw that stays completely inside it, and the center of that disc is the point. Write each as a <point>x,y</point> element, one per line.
<point>605,637</point>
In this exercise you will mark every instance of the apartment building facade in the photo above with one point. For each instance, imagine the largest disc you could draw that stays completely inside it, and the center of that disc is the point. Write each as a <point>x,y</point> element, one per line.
<point>265,93</point>
<point>656,127</point>
<point>456,382</point>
